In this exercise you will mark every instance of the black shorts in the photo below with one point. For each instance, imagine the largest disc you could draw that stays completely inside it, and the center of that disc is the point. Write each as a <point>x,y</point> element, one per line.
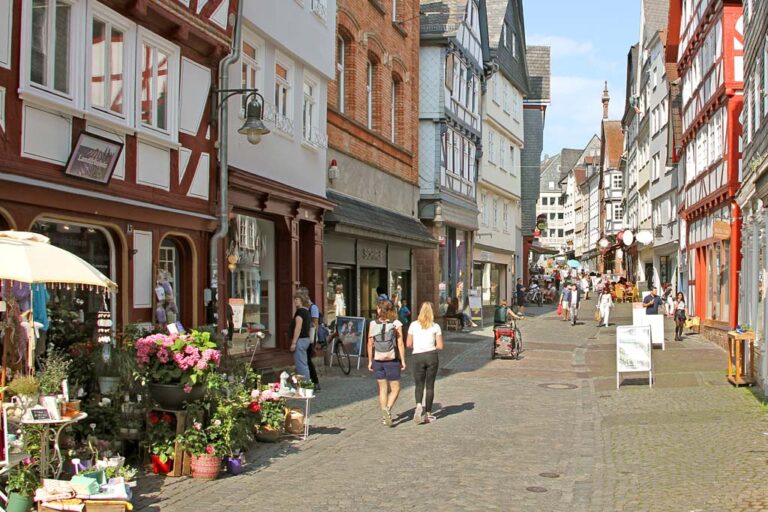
<point>680,315</point>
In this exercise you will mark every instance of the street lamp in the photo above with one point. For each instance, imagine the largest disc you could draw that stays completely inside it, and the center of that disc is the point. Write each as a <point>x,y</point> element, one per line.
<point>253,127</point>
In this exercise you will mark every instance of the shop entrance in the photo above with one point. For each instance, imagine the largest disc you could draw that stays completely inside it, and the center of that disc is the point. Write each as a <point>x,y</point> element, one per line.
<point>340,297</point>
<point>400,287</point>
<point>370,280</point>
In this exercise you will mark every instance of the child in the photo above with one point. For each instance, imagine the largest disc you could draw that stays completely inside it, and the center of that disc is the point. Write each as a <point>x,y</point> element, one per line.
<point>404,314</point>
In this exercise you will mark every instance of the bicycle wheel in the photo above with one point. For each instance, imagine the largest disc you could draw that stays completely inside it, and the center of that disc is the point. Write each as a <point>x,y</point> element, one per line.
<point>518,343</point>
<point>342,357</point>
<point>540,300</point>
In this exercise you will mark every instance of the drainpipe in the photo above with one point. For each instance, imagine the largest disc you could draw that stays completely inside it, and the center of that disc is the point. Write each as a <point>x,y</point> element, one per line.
<point>223,214</point>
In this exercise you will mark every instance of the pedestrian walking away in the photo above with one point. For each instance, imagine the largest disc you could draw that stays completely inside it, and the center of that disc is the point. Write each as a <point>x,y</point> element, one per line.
<point>314,314</point>
<point>425,339</point>
<point>605,304</point>
<point>387,356</point>
<point>680,315</point>
<point>573,302</point>
<point>299,331</point>
<point>520,295</point>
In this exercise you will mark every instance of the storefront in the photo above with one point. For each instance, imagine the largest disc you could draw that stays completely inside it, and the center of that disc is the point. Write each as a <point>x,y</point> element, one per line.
<point>368,250</point>
<point>454,267</point>
<point>494,275</point>
<point>274,245</point>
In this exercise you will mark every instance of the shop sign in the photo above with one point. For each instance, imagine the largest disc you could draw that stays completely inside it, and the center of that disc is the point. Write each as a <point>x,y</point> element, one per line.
<point>476,306</point>
<point>94,158</point>
<point>238,308</point>
<point>721,230</point>
<point>633,351</point>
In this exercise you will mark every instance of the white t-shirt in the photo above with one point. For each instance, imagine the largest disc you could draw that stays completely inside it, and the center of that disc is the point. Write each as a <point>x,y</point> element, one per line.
<point>424,340</point>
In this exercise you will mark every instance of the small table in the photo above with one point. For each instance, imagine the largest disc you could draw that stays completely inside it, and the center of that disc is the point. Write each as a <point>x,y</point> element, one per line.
<point>50,434</point>
<point>738,344</point>
<point>306,400</point>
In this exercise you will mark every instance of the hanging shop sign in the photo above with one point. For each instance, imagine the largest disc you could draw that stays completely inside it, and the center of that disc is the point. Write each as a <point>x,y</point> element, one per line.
<point>633,351</point>
<point>721,230</point>
<point>94,158</point>
<point>238,308</point>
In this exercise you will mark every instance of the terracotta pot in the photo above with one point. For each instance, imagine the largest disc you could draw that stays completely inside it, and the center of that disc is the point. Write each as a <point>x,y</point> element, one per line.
<point>205,467</point>
<point>159,467</point>
<point>173,397</point>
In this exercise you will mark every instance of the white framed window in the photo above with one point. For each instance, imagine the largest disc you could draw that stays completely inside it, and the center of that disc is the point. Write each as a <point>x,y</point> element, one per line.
<point>251,73</point>
<point>503,39</point>
<point>157,84</point>
<point>513,42</point>
<point>617,181</point>
<point>551,186</point>
<point>51,59</point>
<point>495,213</point>
<point>618,212</point>
<point>512,160</point>
<point>491,146</point>
<point>283,79</point>
<point>369,95</point>
<point>109,54</point>
<point>341,48</point>
<point>309,109</point>
<point>393,110</point>
<point>503,154</point>
<point>757,94</point>
<point>495,88</point>
<point>484,208</point>
<point>507,103</point>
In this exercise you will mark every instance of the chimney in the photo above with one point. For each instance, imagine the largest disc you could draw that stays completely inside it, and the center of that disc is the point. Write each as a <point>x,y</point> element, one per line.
<point>606,100</point>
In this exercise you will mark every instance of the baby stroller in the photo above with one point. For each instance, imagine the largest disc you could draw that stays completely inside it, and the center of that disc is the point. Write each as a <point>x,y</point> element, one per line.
<point>507,339</point>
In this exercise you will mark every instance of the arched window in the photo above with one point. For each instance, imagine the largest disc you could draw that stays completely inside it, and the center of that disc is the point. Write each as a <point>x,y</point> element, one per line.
<point>369,93</point>
<point>341,62</point>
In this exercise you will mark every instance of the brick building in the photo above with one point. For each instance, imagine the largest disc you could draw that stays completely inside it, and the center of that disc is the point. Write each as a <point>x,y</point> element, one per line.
<point>373,155</point>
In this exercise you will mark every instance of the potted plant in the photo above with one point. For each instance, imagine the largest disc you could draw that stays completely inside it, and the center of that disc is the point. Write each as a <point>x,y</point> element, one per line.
<point>307,388</point>
<point>176,366</point>
<point>126,472</point>
<point>162,442</point>
<point>23,481</point>
<point>205,446</point>
<point>271,414</point>
<point>26,388</point>
<point>54,371</point>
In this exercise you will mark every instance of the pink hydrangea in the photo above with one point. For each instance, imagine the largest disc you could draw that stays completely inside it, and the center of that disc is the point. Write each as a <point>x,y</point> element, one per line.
<point>187,388</point>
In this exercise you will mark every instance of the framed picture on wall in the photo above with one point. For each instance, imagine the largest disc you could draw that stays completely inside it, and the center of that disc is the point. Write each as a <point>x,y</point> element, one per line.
<point>94,158</point>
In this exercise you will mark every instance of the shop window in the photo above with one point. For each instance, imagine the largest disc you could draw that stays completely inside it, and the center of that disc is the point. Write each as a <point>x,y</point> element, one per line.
<point>340,292</point>
<point>72,311</point>
<point>50,52</point>
<point>400,288</point>
<point>169,269</point>
<point>253,281</point>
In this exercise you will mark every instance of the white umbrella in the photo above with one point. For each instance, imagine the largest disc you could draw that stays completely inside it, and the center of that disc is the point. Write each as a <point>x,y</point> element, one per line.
<point>30,258</point>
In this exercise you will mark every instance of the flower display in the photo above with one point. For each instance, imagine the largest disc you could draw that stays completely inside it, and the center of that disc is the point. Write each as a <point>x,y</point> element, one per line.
<point>170,359</point>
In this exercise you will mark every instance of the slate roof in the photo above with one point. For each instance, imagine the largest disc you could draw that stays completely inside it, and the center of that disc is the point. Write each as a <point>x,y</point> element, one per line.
<point>539,72</point>
<point>614,142</point>
<point>360,214</point>
<point>568,160</point>
<point>441,16</point>
<point>656,14</point>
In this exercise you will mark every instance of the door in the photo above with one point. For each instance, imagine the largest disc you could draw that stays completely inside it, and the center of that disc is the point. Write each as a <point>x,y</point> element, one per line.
<point>370,280</point>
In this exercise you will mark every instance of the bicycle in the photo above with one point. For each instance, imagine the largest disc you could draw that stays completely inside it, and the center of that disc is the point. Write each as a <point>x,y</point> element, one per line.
<point>515,344</point>
<point>334,348</point>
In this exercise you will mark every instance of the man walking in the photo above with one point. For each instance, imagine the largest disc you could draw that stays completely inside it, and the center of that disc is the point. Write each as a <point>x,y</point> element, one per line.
<point>652,302</point>
<point>574,299</point>
<point>314,313</point>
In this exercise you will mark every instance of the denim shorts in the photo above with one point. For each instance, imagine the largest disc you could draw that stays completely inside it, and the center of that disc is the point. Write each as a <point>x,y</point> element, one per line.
<point>386,370</point>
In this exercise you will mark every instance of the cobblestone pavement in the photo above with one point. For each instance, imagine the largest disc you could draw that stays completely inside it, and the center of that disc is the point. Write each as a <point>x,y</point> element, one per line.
<point>547,433</point>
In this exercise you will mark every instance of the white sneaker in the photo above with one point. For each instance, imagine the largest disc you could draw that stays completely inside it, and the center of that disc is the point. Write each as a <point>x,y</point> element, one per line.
<point>417,416</point>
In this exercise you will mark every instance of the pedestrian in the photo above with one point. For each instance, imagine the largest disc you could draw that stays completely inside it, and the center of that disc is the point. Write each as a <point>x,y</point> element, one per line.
<point>669,301</point>
<point>585,286</point>
<point>680,315</point>
<point>565,302</point>
<point>386,357</point>
<point>299,331</point>
<point>339,305</point>
<point>404,314</point>
<point>314,314</point>
<point>425,339</point>
<point>557,280</point>
<point>382,293</point>
<point>574,299</point>
<point>520,295</point>
<point>652,302</point>
<point>604,304</point>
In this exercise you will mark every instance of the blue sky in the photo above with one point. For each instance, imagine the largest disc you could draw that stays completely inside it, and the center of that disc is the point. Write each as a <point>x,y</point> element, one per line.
<point>590,40</point>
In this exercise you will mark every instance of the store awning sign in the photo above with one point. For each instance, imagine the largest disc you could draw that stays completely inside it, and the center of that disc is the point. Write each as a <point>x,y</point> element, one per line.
<point>94,158</point>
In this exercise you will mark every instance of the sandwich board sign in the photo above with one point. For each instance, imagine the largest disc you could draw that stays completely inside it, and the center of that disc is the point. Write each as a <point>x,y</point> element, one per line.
<point>633,351</point>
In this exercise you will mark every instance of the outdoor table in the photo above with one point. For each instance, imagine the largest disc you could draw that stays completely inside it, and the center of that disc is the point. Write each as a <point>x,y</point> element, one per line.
<point>50,434</point>
<point>738,345</point>
<point>306,400</point>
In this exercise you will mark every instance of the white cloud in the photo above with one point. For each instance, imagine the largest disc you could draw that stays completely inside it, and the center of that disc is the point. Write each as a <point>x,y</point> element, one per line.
<point>562,46</point>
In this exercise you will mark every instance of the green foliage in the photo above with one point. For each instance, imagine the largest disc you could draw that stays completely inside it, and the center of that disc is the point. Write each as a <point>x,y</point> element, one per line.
<point>125,471</point>
<point>161,435</point>
<point>199,440</point>
<point>23,479</point>
<point>24,385</point>
<point>307,384</point>
<point>54,370</point>
<point>273,414</point>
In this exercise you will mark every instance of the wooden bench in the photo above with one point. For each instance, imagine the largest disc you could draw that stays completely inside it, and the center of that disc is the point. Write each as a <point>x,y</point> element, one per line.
<point>452,324</point>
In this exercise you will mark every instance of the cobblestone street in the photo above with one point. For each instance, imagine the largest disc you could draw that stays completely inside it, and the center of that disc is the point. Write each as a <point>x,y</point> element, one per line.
<point>547,433</point>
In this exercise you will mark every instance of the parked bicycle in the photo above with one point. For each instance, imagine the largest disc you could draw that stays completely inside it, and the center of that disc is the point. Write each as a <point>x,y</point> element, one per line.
<point>535,296</point>
<point>334,349</point>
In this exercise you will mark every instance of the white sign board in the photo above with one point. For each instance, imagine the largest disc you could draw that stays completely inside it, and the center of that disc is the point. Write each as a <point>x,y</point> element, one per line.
<point>656,323</point>
<point>633,351</point>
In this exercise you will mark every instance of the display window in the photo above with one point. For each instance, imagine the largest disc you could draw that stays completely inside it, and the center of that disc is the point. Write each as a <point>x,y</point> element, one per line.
<point>340,292</point>
<point>251,256</point>
<point>400,288</point>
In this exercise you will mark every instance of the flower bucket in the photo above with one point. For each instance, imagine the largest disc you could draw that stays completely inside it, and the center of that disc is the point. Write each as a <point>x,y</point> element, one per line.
<point>19,503</point>
<point>205,467</point>
<point>159,467</point>
<point>234,465</point>
<point>309,393</point>
<point>172,396</point>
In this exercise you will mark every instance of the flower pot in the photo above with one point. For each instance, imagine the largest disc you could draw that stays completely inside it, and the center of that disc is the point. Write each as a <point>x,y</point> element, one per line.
<point>19,503</point>
<point>234,465</point>
<point>267,435</point>
<point>159,467</point>
<point>309,393</point>
<point>108,385</point>
<point>205,467</point>
<point>302,392</point>
<point>172,396</point>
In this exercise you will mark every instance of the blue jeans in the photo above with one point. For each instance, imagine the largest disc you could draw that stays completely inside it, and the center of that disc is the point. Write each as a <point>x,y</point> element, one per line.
<point>300,358</point>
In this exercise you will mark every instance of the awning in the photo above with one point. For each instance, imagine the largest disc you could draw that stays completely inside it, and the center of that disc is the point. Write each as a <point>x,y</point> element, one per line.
<point>540,249</point>
<point>356,217</point>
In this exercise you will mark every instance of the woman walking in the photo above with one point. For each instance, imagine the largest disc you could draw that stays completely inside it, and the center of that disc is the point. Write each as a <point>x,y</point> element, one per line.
<point>605,303</point>
<point>425,339</point>
<point>680,315</point>
<point>299,329</point>
<point>386,357</point>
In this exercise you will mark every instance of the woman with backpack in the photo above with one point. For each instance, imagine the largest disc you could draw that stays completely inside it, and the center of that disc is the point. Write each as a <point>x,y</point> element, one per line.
<point>425,339</point>
<point>386,356</point>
